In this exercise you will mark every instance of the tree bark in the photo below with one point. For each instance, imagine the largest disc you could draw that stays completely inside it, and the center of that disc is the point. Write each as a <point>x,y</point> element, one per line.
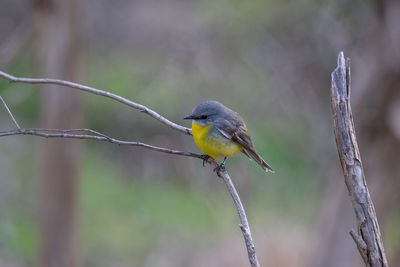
<point>368,240</point>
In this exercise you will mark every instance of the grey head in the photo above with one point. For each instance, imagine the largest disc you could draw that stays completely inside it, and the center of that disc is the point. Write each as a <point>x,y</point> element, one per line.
<point>210,111</point>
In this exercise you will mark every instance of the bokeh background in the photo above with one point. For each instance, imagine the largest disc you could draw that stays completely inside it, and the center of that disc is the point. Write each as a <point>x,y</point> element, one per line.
<point>85,203</point>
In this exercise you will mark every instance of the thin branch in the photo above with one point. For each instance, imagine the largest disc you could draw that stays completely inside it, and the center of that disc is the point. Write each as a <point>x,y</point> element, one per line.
<point>71,131</point>
<point>244,224</point>
<point>369,240</point>
<point>95,91</point>
<point>59,133</point>
<point>9,113</point>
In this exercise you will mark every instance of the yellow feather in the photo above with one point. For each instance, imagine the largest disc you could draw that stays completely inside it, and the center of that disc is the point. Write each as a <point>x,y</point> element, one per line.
<point>214,146</point>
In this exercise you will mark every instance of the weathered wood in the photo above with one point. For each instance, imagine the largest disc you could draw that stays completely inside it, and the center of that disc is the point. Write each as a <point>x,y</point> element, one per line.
<point>368,239</point>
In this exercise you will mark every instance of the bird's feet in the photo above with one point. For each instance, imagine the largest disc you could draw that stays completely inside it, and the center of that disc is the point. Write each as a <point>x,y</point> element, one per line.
<point>205,158</point>
<point>220,167</point>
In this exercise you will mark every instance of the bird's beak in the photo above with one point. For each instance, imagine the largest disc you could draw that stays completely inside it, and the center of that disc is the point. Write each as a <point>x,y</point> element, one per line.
<point>189,117</point>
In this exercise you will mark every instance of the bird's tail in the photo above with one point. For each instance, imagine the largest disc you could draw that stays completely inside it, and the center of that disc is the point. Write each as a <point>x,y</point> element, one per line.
<point>253,154</point>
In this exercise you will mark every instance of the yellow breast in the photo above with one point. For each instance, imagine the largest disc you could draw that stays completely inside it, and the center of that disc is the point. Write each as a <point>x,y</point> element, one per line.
<point>214,145</point>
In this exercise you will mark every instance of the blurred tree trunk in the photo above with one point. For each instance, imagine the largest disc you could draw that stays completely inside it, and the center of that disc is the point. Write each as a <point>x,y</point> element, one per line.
<point>58,55</point>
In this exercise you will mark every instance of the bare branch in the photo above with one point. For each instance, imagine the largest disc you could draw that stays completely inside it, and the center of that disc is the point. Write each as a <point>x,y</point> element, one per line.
<point>95,91</point>
<point>9,112</point>
<point>369,242</point>
<point>361,246</point>
<point>244,224</point>
<point>60,133</point>
<point>71,133</point>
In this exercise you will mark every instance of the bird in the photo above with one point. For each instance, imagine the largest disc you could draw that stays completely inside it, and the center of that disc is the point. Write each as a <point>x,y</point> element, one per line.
<point>220,133</point>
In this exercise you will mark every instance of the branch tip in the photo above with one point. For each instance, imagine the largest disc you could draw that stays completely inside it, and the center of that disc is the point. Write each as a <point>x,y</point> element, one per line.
<point>341,60</point>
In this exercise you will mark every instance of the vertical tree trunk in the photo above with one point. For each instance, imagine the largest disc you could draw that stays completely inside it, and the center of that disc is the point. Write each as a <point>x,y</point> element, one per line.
<point>368,239</point>
<point>376,85</point>
<point>58,55</point>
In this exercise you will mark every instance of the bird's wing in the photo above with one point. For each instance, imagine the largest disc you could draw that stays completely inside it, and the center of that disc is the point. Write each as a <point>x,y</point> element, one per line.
<point>237,132</point>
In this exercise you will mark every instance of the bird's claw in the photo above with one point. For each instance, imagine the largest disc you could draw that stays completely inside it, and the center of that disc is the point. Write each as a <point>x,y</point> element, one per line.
<point>205,159</point>
<point>220,168</point>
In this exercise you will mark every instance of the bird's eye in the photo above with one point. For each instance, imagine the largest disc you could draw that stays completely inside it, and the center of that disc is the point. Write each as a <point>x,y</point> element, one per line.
<point>203,117</point>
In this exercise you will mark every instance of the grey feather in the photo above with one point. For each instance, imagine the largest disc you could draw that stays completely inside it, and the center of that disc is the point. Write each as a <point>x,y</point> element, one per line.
<point>230,126</point>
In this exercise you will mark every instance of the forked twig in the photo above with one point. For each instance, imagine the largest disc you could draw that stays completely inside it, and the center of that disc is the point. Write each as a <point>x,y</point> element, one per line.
<point>94,135</point>
<point>9,113</point>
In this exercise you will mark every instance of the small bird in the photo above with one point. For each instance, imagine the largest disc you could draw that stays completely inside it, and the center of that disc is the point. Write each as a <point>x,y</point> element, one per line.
<point>220,133</point>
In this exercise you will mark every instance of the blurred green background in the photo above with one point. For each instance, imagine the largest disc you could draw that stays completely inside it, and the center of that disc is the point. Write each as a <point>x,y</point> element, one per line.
<point>268,60</point>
